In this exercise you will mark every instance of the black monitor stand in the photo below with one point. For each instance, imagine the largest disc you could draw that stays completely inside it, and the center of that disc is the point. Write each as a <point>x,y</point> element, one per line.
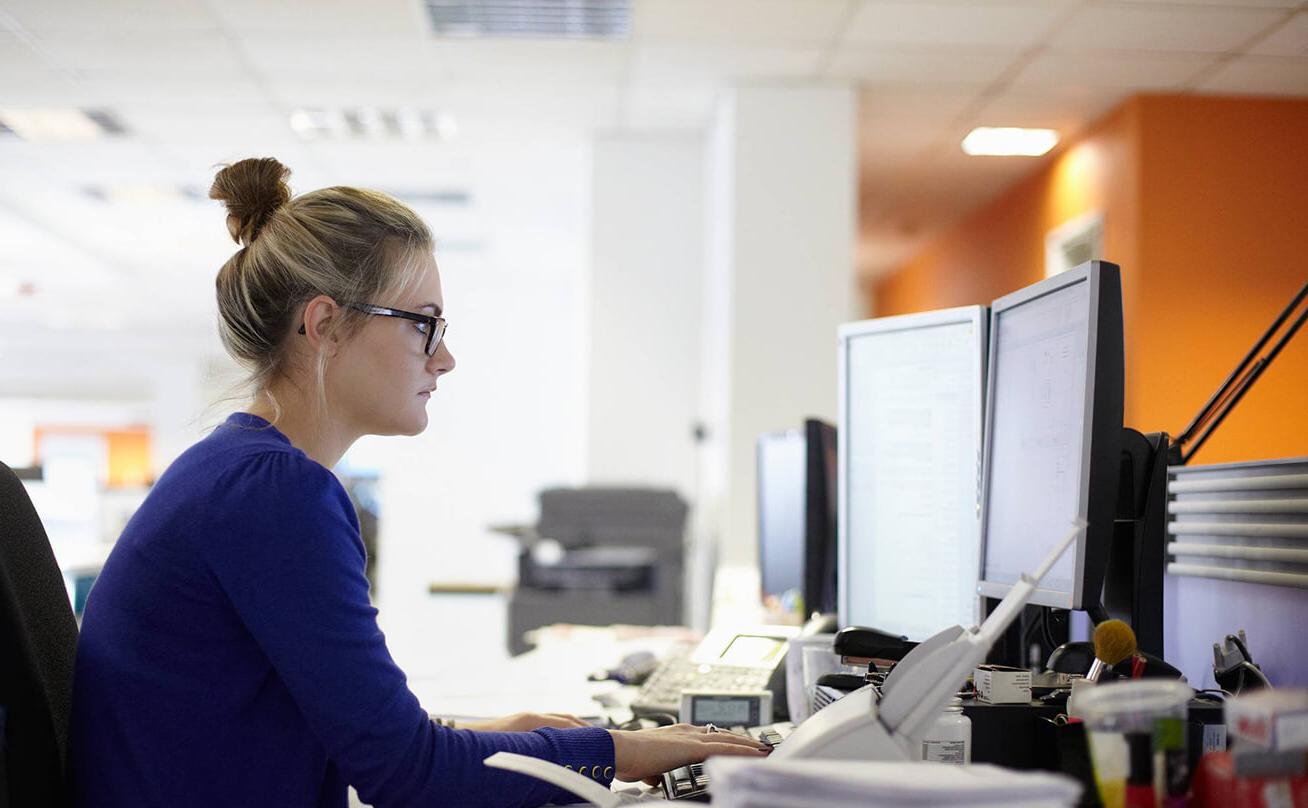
<point>1137,557</point>
<point>1133,573</point>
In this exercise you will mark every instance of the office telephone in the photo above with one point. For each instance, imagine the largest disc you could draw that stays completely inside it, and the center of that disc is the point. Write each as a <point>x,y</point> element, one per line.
<point>726,661</point>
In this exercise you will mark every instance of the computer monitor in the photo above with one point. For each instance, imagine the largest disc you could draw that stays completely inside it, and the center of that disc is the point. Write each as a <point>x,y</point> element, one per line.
<point>796,514</point>
<point>911,393</point>
<point>781,506</point>
<point>1053,433</point>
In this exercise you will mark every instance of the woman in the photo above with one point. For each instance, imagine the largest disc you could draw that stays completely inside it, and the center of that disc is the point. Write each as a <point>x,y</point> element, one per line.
<point>229,654</point>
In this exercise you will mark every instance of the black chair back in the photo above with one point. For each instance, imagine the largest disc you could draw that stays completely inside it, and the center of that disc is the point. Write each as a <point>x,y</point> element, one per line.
<point>38,643</point>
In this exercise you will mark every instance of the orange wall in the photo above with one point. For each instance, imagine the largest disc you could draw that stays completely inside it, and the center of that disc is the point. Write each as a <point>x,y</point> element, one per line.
<point>1203,202</point>
<point>1225,246</point>
<point>127,452</point>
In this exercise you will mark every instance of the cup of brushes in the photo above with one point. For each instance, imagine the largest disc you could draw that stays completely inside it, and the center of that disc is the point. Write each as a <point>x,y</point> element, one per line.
<point>1135,728</point>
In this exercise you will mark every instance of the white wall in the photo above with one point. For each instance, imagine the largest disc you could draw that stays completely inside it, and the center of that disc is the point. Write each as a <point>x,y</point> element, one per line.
<point>780,274</point>
<point>644,340</point>
<point>510,419</point>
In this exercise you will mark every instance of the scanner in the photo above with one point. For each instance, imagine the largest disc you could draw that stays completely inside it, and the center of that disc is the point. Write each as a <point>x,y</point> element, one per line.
<point>861,727</point>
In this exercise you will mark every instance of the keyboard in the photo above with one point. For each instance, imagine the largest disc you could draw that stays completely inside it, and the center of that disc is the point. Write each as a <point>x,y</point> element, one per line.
<point>690,782</point>
<point>686,783</point>
<point>771,734</point>
<point>661,693</point>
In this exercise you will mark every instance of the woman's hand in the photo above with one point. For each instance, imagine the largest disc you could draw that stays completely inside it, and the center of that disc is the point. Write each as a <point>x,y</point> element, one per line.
<point>525,722</point>
<point>647,753</point>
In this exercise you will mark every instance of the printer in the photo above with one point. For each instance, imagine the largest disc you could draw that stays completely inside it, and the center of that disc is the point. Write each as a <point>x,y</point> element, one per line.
<point>598,556</point>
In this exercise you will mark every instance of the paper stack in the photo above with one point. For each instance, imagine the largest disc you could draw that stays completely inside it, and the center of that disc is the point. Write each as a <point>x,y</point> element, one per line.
<point>743,783</point>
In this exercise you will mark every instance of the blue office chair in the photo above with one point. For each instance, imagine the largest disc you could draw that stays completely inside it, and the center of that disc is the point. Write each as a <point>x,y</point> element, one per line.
<point>38,643</point>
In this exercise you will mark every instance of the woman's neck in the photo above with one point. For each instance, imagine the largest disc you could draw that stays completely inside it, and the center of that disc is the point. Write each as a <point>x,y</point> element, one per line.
<point>301,421</point>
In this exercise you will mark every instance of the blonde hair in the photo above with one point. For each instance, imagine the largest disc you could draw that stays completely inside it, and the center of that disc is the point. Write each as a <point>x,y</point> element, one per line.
<point>350,244</point>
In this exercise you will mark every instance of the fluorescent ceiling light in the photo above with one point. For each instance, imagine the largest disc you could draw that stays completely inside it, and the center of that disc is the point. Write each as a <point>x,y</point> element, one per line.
<point>372,123</point>
<point>1009,141</point>
<point>54,124</point>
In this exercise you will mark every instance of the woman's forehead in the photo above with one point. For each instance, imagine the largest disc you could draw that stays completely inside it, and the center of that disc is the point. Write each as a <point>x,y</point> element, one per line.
<point>425,287</point>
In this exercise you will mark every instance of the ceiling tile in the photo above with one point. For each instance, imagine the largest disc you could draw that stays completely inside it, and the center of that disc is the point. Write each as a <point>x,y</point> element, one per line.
<point>889,148</point>
<point>533,62</point>
<point>909,103</point>
<point>119,15</point>
<point>924,65</point>
<point>1065,109</point>
<point>1291,39</point>
<point>297,17</point>
<point>1130,70</point>
<point>100,90</point>
<point>951,24</point>
<point>400,92</point>
<point>1260,75</point>
<point>340,56</point>
<point>1250,3</point>
<point>1163,28</point>
<point>117,52</point>
<point>700,65</point>
<point>738,22</point>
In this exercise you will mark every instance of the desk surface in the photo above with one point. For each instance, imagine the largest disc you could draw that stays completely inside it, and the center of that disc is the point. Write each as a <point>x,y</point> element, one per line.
<point>550,678</point>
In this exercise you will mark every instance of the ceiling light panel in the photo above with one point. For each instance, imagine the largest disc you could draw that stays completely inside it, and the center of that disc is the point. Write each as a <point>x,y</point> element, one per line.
<point>53,124</point>
<point>372,123</point>
<point>1008,141</point>
<point>545,19</point>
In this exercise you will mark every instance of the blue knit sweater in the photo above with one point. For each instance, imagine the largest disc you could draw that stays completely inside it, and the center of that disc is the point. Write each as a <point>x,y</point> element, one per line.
<point>230,656</point>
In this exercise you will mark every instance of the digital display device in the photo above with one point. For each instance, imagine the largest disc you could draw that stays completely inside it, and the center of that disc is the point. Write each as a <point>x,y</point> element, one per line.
<point>748,649</point>
<point>1053,436</point>
<point>911,397</point>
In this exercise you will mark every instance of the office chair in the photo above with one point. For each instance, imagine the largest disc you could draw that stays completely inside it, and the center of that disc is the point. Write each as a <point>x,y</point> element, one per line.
<point>38,642</point>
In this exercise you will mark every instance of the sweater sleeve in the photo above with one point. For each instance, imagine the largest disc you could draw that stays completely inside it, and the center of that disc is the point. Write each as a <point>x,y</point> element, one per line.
<point>291,562</point>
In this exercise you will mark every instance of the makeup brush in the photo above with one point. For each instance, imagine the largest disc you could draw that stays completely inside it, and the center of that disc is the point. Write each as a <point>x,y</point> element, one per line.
<point>1114,642</point>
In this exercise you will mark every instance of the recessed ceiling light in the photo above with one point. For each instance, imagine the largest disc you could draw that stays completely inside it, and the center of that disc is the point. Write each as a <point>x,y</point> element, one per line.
<point>1009,141</point>
<point>45,124</point>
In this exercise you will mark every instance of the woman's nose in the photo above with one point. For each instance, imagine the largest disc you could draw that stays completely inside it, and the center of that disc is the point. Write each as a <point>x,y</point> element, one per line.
<point>442,361</point>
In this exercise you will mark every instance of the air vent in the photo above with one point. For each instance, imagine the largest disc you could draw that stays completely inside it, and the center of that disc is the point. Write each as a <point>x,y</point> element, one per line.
<point>539,19</point>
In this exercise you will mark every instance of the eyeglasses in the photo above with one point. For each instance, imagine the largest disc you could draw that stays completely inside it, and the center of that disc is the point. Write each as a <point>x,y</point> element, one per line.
<point>431,327</point>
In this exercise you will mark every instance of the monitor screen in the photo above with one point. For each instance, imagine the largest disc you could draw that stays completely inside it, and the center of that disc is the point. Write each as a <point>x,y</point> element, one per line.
<point>1039,434</point>
<point>910,434</point>
<point>781,511</point>
<point>1053,433</point>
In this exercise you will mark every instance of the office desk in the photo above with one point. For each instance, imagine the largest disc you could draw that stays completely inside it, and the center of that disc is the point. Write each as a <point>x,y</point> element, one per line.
<point>550,678</point>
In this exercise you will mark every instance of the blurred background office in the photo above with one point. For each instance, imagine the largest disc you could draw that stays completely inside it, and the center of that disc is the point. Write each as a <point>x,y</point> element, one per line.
<point>651,216</point>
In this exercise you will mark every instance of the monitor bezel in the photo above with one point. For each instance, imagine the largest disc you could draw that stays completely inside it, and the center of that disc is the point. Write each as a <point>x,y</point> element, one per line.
<point>1103,418</point>
<point>978,316</point>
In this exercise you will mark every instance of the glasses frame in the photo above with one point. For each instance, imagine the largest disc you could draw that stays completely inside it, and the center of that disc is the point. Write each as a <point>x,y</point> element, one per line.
<point>436,326</point>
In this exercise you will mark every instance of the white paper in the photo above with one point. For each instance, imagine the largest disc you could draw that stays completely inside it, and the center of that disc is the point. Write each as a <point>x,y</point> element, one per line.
<point>743,783</point>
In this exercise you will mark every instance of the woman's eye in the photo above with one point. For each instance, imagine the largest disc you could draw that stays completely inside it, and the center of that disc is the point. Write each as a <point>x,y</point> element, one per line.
<point>422,327</point>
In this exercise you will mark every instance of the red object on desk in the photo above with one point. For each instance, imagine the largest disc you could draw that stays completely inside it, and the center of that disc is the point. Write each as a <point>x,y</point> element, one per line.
<point>1215,785</point>
<point>1137,667</point>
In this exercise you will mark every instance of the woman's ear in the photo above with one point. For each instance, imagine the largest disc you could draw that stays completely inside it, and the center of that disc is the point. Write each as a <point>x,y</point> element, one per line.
<point>318,320</point>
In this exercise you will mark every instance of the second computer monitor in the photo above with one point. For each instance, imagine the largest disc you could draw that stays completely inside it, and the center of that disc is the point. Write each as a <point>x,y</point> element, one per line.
<point>797,514</point>
<point>1053,433</point>
<point>911,393</point>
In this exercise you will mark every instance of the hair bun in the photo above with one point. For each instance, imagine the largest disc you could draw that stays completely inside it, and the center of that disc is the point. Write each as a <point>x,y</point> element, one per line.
<point>251,189</point>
